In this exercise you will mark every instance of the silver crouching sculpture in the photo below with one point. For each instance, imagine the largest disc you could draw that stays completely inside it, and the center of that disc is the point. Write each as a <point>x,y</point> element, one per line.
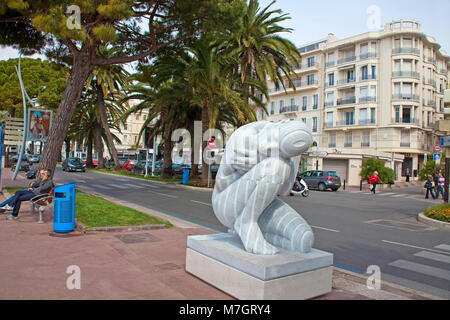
<point>260,163</point>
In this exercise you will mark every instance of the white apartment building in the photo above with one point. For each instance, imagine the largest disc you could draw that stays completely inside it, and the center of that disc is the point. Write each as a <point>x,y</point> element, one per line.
<point>378,94</point>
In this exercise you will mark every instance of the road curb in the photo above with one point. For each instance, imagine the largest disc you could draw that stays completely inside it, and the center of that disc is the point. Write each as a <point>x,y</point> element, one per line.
<point>81,227</point>
<point>432,222</point>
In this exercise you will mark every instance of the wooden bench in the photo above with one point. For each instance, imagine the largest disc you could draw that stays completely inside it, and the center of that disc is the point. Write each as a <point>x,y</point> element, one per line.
<point>42,201</point>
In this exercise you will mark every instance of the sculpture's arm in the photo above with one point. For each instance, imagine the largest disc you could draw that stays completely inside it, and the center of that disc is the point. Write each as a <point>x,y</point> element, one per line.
<point>287,186</point>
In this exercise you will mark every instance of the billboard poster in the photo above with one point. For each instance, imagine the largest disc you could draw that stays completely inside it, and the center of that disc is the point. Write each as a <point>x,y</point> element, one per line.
<point>39,124</point>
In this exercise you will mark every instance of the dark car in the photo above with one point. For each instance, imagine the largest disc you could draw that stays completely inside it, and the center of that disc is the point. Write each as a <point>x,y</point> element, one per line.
<point>32,173</point>
<point>322,180</point>
<point>73,164</point>
<point>14,158</point>
<point>34,158</point>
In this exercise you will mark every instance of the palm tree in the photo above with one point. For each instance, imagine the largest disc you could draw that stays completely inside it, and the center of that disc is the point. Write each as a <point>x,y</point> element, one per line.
<point>262,52</point>
<point>108,81</point>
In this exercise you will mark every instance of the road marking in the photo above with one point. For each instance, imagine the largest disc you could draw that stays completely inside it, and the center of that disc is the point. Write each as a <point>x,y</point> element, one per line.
<point>415,247</point>
<point>443,247</point>
<point>399,195</point>
<point>99,186</point>
<point>331,230</point>
<point>147,186</point>
<point>204,203</point>
<point>421,268</point>
<point>433,256</point>
<point>133,185</point>
<point>386,194</point>
<point>163,194</point>
<point>118,186</point>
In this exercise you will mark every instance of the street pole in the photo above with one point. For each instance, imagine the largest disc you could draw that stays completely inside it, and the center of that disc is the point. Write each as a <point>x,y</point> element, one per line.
<point>209,173</point>
<point>154,156</point>
<point>447,176</point>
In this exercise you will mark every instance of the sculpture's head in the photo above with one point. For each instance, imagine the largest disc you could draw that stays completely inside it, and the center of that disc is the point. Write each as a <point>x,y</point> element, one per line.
<point>295,138</point>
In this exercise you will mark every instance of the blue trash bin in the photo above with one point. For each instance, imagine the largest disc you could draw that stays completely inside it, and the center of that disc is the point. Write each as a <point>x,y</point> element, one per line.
<point>185,175</point>
<point>64,208</point>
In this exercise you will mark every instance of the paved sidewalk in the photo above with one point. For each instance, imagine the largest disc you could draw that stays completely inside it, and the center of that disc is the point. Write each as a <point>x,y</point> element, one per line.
<point>130,265</point>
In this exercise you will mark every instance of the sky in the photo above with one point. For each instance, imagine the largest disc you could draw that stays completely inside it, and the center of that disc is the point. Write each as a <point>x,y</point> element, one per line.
<point>314,20</point>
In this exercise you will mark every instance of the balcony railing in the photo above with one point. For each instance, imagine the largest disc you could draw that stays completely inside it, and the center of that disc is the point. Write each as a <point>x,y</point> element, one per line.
<point>430,60</point>
<point>289,109</point>
<point>406,50</point>
<point>330,64</point>
<point>348,59</point>
<point>332,145</point>
<point>368,78</point>
<point>365,144</point>
<point>348,145</point>
<point>328,125</point>
<point>443,71</point>
<point>430,103</point>
<point>367,99</point>
<point>329,104</point>
<point>346,123</point>
<point>406,121</point>
<point>406,96</point>
<point>430,82</point>
<point>346,81</point>
<point>350,100</point>
<point>368,55</point>
<point>307,65</point>
<point>409,74</point>
<point>329,84</point>
<point>405,144</point>
<point>366,122</point>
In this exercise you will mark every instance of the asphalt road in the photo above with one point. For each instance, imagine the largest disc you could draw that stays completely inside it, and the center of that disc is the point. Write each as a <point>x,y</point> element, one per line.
<point>360,229</point>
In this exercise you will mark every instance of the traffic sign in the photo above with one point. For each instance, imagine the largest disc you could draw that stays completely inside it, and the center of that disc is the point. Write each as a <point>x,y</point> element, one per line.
<point>211,143</point>
<point>437,148</point>
<point>445,141</point>
<point>437,156</point>
<point>319,154</point>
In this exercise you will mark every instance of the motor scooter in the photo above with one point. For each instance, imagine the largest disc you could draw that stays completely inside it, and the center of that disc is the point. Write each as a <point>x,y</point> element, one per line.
<point>300,187</point>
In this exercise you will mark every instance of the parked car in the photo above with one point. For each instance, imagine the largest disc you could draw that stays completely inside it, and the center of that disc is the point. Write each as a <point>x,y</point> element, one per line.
<point>34,158</point>
<point>14,158</point>
<point>322,180</point>
<point>129,164</point>
<point>94,162</point>
<point>73,164</point>
<point>32,173</point>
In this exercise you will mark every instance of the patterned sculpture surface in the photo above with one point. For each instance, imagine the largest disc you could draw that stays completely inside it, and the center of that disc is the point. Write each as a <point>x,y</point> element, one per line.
<point>260,162</point>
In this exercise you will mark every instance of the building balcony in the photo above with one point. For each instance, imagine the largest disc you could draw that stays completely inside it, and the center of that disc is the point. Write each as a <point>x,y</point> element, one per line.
<point>346,60</point>
<point>306,67</point>
<point>328,125</point>
<point>289,109</point>
<point>443,71</point>
<point>329,104</point>
<point>430,82</point>
<point>407,121</point>
<point>366,122</point>
<point>429,60</point>
<point>346,81</point>
<point>348,145</point>
<point>345,101</point>
<point>408,74</point>
<point>368,55</point>
<point>406,50</point>
<point>406,96</point>
<point>368,78</point>
<point>330,64</point>
<point>429,103</point>
<point>332,145</point>
<point>365,144</point>
<point>344,123</point>
<point>329,84</point>
<point>367,99</point>
<point>405,144</point>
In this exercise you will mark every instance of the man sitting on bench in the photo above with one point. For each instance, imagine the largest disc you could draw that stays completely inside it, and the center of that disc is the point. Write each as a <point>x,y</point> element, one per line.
<point>41,186</point>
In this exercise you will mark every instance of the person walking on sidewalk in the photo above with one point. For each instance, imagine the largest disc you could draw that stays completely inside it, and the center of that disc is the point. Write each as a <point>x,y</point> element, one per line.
<point>374,179</point>
<point>429,185</point>
<point>440,185</point>
<point>407,174</point>
<point>42,186</point>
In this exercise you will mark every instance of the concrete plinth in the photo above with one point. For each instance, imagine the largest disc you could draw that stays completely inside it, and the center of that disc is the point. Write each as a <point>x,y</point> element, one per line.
<point>221,261</point>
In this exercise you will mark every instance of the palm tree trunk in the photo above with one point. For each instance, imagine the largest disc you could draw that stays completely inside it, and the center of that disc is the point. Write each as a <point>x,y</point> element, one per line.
<point>81,69</point>
<point>99,146</point>
<point>205,127</point>
<point>167,163</point>
<point>67,141</point>
<point>89,152</point>
<point>104,120</point>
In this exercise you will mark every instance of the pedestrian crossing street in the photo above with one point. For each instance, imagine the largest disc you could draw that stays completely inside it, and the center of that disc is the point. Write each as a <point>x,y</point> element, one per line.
<point>395,195</point>
<point>429,262</point>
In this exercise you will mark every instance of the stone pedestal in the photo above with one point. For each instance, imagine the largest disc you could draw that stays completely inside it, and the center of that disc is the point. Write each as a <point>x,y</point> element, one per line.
<point>221,260</point>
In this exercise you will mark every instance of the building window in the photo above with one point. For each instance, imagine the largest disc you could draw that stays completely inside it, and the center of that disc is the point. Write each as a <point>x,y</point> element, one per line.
<point>315,126</point>
<point>311,79</point>
<point>315,102</point>
<point>350,118</point>
<point>304,120</point>
<point>373,115</point>
<point>330,99</point>
<point>332,143</point>
<point>331,79</point>
<point>311,62</point>
<point>406,139</point>
<point>363,116</point>
<point>348,140</point>
<point>330,119</point>
<point>282,106</point>
<point>374,72</point>
<point>305,103</point>
<point>272,108</point>
<point>365,139</point>
<point>137,117</point>
<point>364,73</point>
<point>397,114</point>
<point>125,127</point>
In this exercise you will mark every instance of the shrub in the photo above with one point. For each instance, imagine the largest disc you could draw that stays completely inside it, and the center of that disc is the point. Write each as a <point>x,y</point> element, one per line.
<point>440,212</point>
<point>369,166</point>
